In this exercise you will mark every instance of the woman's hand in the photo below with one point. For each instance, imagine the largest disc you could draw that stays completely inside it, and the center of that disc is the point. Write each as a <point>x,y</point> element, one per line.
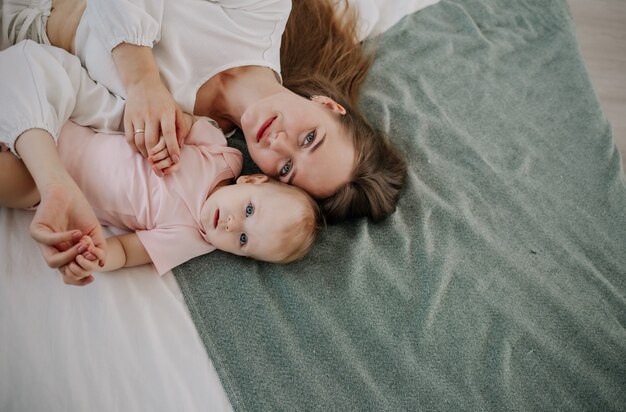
<point>151,111</point>
<point>79,272</point>
<point>63,217</point>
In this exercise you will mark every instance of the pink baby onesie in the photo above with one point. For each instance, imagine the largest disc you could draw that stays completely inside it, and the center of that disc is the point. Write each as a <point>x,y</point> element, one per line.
<point>164,211</point>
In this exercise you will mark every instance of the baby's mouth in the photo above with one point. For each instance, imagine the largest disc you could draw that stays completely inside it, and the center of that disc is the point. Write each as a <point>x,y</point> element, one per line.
<point>216,218</point>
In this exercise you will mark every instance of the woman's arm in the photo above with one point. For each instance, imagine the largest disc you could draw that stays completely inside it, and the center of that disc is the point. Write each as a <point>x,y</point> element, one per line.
<point>129,28</point>
<point>150,108</point>
<point>63,215</point>
<point>55,90</point>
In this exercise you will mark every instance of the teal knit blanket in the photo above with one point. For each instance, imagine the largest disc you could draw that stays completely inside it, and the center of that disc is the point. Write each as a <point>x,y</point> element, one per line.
<point>500,281</point>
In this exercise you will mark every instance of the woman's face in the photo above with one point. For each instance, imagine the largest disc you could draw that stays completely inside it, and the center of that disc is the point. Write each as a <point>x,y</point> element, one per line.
<point>300,142</point>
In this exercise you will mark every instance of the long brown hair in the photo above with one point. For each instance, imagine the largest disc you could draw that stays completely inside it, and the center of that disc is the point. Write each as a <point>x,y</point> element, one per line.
<point>321,55</point>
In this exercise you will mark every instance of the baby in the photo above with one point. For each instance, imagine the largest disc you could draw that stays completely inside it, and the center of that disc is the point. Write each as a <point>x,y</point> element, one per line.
<point>186,214</point>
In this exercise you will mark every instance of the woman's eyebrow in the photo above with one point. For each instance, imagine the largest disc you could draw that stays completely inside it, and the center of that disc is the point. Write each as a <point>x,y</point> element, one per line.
<point>318,143</point>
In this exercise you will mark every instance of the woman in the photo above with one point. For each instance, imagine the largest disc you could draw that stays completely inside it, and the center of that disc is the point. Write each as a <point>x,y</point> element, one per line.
<point>318,142</point>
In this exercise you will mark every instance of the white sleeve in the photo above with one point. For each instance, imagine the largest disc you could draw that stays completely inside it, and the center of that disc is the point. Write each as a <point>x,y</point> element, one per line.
<point>126,21</point>
<point>44,86</point>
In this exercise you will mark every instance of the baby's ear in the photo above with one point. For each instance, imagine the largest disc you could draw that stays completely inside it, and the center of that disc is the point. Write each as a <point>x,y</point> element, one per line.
<point>254,179</point>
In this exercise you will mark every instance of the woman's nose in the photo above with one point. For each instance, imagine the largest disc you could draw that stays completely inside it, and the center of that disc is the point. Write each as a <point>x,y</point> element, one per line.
<point>279,142</point>
<point>232,224</point>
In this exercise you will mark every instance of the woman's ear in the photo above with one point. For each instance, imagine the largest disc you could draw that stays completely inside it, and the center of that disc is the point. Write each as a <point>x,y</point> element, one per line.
<point>329,103</point>
<point>254,179</point>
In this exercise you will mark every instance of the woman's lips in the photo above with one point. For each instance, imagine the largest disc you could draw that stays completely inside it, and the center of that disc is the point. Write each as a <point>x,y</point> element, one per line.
<point>216,218</point>
<point>264,127</point>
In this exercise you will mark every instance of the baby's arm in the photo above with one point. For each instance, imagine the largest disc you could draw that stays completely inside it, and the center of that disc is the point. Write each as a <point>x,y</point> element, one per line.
<point>127,252</point>
<point>123,251</point>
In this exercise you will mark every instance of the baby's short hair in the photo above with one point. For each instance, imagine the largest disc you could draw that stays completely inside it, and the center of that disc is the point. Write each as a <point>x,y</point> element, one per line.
<point>300,236</point>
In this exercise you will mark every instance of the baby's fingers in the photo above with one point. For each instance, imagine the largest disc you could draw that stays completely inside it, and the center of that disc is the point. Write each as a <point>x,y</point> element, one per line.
<point>159,147</point>
<point>158,156</point>
<point>159,166</point>
<point>75,275</point>
<point>96,254</point>
<point>85,264</point>
<point>172,169</point>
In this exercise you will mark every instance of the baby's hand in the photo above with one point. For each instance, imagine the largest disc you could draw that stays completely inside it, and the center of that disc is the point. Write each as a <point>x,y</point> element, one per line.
<point>162,163</point>
<point>79,271</point>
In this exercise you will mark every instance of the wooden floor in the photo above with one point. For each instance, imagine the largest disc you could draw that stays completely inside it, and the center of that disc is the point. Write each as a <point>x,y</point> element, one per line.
<point>601,30</point>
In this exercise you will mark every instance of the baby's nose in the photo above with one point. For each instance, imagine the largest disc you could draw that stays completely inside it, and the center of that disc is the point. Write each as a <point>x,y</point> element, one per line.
<point>232,224</point>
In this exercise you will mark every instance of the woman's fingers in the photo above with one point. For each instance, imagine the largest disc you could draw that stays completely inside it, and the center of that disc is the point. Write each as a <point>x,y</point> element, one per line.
<point>152,137</point>
<point>184,122</point>
<point>56,259</point>
<point>44,235</point>
<point>58,248</point>
<point>128,132</point>
<point>168,129</point>
<point>139,137</point>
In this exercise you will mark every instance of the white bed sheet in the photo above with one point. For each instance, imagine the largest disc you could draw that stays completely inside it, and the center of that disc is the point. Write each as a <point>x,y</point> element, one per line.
<point>125,342</point>
<point>376,16</point>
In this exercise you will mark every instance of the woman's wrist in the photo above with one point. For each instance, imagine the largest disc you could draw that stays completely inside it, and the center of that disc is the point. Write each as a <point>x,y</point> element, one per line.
<point>39,153</point>
<point>135,64</point>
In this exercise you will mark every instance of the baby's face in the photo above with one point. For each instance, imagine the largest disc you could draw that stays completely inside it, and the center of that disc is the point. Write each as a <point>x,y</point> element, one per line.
<point>251,219</point>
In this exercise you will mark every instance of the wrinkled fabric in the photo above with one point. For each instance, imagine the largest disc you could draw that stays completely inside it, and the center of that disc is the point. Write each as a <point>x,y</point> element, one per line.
<point>499,282</point>
<point>22,20</point>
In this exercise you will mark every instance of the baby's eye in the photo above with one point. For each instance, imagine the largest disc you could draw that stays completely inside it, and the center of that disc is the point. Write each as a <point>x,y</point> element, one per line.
<point>249,210</point>
<point>285,170</point>
<point>243,239</point>
<point>308,139</point>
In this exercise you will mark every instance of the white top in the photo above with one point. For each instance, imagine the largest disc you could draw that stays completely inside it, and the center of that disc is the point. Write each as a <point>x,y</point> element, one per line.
<point>43,86</point>
<point>192,40</point>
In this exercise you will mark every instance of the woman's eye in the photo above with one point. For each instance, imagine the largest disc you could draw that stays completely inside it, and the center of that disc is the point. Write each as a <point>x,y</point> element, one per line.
<point>249,210</point>
<point>243,239</point>
<point>286,168</point>
<point>309,138</point>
